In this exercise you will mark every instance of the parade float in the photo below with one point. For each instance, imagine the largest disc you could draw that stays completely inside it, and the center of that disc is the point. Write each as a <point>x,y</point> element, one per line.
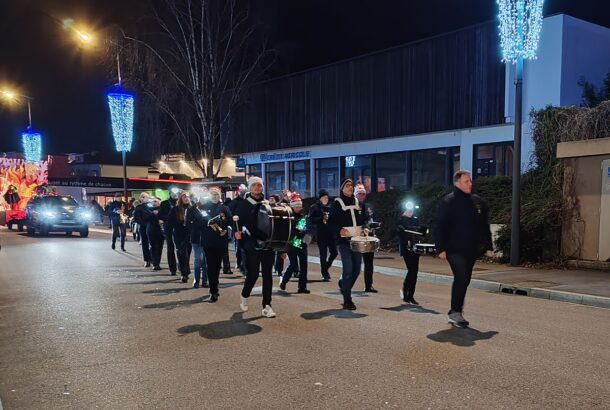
<point>19,181</point>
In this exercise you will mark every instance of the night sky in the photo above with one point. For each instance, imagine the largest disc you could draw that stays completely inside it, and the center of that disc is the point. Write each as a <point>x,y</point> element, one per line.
<point>69,85</point>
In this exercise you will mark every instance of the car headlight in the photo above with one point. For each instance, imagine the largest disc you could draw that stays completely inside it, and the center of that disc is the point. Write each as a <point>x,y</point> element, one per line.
<point>49,214</point>
<point>87,216</point>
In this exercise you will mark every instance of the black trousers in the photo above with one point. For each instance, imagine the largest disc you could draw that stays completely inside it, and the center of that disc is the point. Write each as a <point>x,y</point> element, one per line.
<point>327,245</point>
<point>144,242</point>
<point>259,261</point>
<point>171,249</point>
<point>298,263</point>
<point>412,263</point>
<point>461,265</point>
<point>239,256</point>
<point>119,230</point>
<point>156,246</point>
<point>368,259</point>
<point>183,248</point>
<point>226,263</point>
<point>213,260</point>
<point>279,262</point>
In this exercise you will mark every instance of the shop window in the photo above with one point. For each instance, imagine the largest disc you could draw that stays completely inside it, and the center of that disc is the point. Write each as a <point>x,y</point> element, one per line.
<point>429,167</point>
<point>299,174</point>
<point>493,159</point>
<point>360,169</point>
<point>391,171</point>
<point>254,170</point>
<point>327,175</point>
<point>275,178</point>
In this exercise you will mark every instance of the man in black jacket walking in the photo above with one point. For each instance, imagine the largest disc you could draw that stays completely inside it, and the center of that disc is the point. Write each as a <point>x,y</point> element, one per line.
<point>164,210</point>
<point>141,216</point>
<point>462,235</point>
<point>327,245</point>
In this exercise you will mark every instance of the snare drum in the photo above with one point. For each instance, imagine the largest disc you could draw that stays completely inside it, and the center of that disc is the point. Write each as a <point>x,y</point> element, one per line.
<point>364,244</point>
<point>275,225</point>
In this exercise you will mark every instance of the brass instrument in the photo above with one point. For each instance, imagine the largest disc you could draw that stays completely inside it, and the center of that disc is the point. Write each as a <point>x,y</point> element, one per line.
<point>123,218</point>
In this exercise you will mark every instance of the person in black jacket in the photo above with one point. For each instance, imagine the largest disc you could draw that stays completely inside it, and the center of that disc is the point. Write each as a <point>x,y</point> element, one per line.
<point>327,245</point>
<point>164,210</point>
<point>155,233</point>
<point>462,235</point>
<point>409,231</point>
<point>140,216</point>
<point>215,238</point>
<point>297,248</point>
<point>181,234</point>
<point>347,219</point>
<point>196,218</point>
<point>239,252</point>
<point>117,212</point>
<point>257,260</point>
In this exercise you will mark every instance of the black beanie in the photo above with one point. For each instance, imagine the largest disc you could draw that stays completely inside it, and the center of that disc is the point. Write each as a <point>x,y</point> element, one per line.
<point>345,181</point>
<point>323,192</point>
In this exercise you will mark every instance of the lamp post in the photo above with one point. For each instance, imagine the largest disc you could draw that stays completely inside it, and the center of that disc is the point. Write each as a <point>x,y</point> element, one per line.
<point>120,103</point>
<point>31,140</point>
<point>520,27</point>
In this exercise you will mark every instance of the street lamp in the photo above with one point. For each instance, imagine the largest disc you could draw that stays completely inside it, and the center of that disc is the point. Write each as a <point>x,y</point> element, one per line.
<point>520,27</point>
<point>31,140</point>
<point>120,103</point>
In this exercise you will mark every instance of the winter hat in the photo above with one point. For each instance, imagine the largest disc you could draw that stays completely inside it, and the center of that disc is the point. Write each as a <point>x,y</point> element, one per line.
<point>254,180</point>
<point>295,200</point>
<point>359,189</point>
<point>276,198</point>
<point>323,192</point>
<point>345,181</point>
<point>215,191</point>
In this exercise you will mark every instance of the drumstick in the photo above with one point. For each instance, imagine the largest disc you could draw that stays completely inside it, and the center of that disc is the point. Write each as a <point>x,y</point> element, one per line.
<point>236,219</point>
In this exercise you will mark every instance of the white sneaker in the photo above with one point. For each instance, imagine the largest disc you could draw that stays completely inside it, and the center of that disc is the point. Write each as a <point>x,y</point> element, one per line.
<point>402,295</point>
<point>268,311</point>
<point>244,304</point>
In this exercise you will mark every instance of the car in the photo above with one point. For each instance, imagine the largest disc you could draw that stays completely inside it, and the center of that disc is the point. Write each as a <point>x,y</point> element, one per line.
<point>55,213</point>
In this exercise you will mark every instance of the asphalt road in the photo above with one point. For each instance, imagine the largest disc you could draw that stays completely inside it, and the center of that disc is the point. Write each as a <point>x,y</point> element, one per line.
<point>83,327</point>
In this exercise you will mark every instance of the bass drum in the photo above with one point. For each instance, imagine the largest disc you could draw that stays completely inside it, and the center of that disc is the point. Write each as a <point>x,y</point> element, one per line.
<point>275,225</point>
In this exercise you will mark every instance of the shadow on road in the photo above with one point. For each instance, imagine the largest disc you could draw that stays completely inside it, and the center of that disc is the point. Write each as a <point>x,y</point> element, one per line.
<point>234,327</point>
<point>228,285</point>
<point>466,337</point>
<point>355,294</point>
<point>166,291</point>
<point>411,308</point>
<point>176,303</point>
<point>338,313</point>
<point>151,282</point>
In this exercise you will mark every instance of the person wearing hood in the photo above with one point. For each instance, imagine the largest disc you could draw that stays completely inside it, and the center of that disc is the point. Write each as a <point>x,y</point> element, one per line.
<point>164,210</point>
<point>181,234</point>
<point>347,219</point>
<point>297,248</point>
<point>215,238</point>
<point>258,261</point>
<point>462,235</point>
<point>327,245</point>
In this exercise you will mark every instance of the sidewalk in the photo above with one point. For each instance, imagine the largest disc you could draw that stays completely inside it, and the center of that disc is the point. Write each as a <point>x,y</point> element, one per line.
<point>585,287</point>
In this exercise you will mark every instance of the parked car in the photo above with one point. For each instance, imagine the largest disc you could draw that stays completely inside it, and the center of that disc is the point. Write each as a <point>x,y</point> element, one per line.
<point>53,213</point>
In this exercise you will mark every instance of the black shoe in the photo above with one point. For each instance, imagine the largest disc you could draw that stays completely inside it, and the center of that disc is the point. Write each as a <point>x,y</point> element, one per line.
<point>349,305</point>
<point>305,291</point>
<point>113,246</point>
<point>371,290</point>
<point>147,265</point>
<point>195,285</point>
<point>228,272</point>
<point>282,285</point>
<point>325,279</point>
<point>214,298</point>
<point>172,273</point>
<point>205,285</point>
<point>340,284</point>
<point>185,279</point>
<point>412,301</point>
<point>157,267</point>
<point>123,249</point>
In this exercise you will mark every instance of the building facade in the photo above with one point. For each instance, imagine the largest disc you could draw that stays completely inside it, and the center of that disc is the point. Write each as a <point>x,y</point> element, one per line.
<point>413,114</point>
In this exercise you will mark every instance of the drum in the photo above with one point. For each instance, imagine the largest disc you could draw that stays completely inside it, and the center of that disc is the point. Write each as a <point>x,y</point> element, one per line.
<point>424,248</point>
<point>275,225</point>
<point>364,244</point>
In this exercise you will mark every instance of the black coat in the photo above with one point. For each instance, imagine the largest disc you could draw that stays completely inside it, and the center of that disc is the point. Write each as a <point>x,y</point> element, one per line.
<point>462,225</point>
<point>113,210</point>
<point>196,222</point>
<point>316,219</point>
<point>246,210</point>
<point>340,218</point>
<point>165,208</point>
<point>141,214</point>
<point>181,230</point>
<point>153,228</point>
<point>212,239</point>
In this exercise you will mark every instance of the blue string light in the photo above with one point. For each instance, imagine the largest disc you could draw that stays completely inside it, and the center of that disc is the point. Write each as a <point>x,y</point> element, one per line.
<point>121,115</point>
<point>32,145</point>
<point>520,27</point>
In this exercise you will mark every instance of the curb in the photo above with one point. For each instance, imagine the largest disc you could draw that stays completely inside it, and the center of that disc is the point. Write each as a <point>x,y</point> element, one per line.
<point>496,287</point>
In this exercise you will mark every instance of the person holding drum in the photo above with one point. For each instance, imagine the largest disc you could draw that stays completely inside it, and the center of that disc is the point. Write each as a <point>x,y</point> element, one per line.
<point>347,220</point>
<point>257,260</point>
<point>297,248</point>
<point>368,257</point>
<point>318,215</point>
<point>409,231</point>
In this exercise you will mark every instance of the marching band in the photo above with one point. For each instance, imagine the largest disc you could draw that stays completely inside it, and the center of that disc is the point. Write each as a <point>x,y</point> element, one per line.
<point>266,230</point>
